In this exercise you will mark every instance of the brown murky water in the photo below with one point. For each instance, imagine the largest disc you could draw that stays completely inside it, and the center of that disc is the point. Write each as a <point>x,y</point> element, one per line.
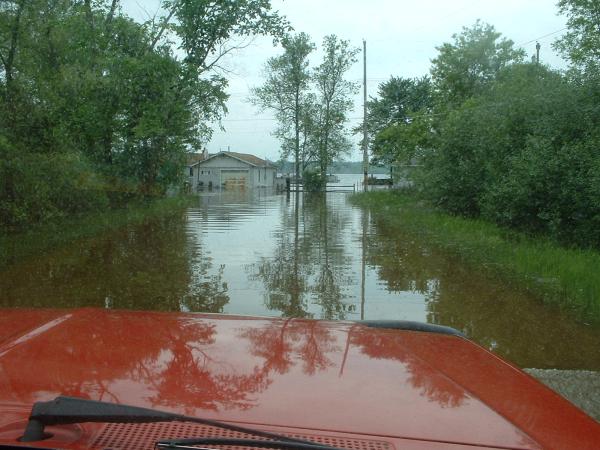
<point>261,253</point>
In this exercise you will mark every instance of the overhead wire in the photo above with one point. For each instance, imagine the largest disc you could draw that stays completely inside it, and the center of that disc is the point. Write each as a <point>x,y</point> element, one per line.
<point>272,119</point>
<point>380,79</point>
<point>542,37</point>
<point>444,113</point>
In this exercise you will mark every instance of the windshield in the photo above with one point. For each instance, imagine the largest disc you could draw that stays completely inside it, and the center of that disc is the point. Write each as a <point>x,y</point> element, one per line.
<point>427,161</point>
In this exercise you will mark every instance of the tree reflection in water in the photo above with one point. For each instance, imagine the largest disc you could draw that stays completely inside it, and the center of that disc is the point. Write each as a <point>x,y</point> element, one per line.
<point>308,266</point>
<point>492,311</point>
<point>148,266</point>
<point>286,274</point>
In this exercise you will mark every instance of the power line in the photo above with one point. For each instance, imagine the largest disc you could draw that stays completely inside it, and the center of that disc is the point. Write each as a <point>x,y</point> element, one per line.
<point>250,119</point>
<point>590,109</point>
<point>542,37</point>
<point>269,119</point>
<point>446,16</point>
<point>423,114</point>
<point>374,80</point>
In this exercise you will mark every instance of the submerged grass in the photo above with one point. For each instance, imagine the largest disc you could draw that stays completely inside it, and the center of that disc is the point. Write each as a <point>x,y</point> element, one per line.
<point>17,245</point>
<point>565,276</point>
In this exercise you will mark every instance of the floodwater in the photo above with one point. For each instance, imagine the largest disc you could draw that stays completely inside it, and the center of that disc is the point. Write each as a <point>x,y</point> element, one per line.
<point>268,254</point>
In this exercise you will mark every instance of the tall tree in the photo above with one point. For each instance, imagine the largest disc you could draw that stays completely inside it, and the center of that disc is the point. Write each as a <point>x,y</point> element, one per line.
<point>285,91</point>
<point>466,66</point>
<point>84,86</point>
<point>11,27</point>
<point>333,97</point>
<point>396,117</point>
<point>581,44</point>
<point>397,100</point>
<point>207,31</point>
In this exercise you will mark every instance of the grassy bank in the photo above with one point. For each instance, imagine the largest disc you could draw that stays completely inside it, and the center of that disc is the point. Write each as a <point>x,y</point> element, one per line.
<point>568,277</point>
<point>40,238</point>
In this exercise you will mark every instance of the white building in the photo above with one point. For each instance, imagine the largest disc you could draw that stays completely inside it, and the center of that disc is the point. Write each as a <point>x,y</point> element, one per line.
<point>231,170</point>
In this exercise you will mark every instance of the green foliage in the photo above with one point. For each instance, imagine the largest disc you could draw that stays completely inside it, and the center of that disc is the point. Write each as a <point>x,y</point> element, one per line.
<point>514,143</point>
<point>333,100</point>
<point>87,92</point>
<point>581,44</point>
<point>523,155</point>
<point>464,67</point>
<point>313,181</point>
<point>454,166</point>
<point>402,142</point>
<point>203,26</point>
<point>398,120</point>
<point>286,91</point>
<point>565,276</point>
<point>39,187</point>
<point>311,107</point>
<point>550,190</point>
<point>398,98</point>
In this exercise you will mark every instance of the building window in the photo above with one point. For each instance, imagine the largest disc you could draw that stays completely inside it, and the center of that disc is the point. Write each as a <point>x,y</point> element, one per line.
<point>191,171</point>
<point>258,174</point>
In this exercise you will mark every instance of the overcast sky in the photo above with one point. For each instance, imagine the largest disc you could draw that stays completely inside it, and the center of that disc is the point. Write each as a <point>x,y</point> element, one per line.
<point>401,38</point>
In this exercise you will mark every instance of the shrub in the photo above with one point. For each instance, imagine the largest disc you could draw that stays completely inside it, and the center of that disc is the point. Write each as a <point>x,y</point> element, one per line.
<point>550,190</point>
<point>38,187</point>
<point>313,181</point>
<point>524,154</point>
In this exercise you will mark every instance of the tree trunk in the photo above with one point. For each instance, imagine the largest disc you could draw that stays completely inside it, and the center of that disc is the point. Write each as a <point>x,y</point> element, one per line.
<point>323,157</point>
<point>9,61</point>
<point>297,131</point>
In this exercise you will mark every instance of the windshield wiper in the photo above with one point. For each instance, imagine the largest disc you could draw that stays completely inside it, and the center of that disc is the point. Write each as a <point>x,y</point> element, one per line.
<point>69,410</point>
<point>23,447</point>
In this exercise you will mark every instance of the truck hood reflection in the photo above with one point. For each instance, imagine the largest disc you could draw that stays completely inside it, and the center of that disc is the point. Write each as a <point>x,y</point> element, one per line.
<point>308,374</point>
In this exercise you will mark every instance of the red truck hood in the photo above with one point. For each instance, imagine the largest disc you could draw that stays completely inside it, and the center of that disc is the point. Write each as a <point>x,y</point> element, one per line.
<point>327,377</point>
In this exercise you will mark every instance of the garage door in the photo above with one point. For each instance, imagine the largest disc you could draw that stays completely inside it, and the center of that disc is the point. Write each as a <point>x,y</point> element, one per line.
<point>234,178</point>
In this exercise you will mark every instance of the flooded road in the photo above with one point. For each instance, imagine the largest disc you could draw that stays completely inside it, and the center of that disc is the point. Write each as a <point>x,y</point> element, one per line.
<point>261,253</point>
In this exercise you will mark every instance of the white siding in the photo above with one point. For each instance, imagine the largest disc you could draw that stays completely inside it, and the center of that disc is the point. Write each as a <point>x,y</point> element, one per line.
<point>224,162</point>
<point>210,172</point>
<point>265,176</point>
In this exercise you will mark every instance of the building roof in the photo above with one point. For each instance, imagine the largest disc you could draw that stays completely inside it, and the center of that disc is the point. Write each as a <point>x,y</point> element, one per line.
<point>244,157</point>
<point>194,158</point>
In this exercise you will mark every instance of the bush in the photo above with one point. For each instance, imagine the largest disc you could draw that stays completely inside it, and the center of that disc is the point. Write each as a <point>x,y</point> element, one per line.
<point>524,154</point>
<point>38,187</point>
<point>313,181</point>
<point>453,173</point>
<point>551,191</point>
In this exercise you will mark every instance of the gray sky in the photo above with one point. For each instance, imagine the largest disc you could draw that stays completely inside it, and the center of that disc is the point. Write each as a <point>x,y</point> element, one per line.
<point>401,39</point>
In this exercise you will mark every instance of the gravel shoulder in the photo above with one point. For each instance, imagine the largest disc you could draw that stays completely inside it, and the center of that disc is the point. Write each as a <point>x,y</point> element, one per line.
<point>580,387</point>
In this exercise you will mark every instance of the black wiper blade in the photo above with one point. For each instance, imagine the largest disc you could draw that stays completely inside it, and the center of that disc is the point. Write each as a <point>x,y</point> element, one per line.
<point>24,447</point>
<point>68,410</point>
<point>192,443</point>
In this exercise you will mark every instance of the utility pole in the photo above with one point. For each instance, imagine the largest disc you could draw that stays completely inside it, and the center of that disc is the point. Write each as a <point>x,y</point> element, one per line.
<point>537,52</point>
<point>365,136</point>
